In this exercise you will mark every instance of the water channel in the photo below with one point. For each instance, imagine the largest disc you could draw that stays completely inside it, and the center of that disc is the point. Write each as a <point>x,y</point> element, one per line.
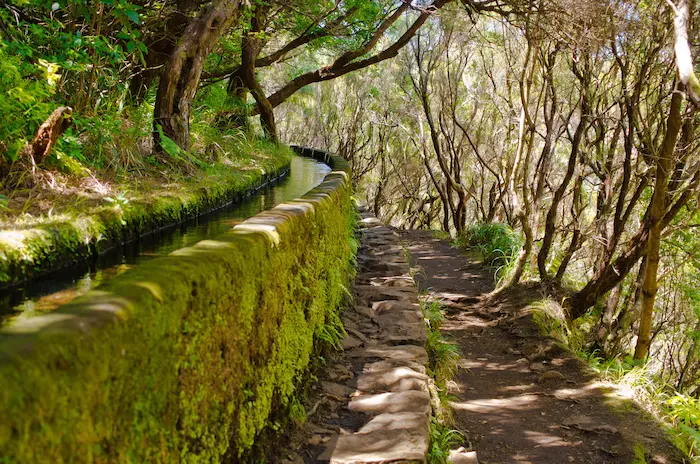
<point>58,288</point>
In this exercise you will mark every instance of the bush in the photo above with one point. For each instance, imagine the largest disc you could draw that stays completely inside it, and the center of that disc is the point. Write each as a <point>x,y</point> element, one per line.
<point>23,104</point>
<point>498,243</point>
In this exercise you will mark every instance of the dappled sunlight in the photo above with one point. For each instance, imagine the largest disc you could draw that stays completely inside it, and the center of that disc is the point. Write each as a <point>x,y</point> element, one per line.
<point>153,288</point>
<point>27,325</point>
<point>268,231</point>
<point>495,405</point>
<point>434,258</point>
<point>544,440</point>
<point>213,245</point>
<point>493,366</point>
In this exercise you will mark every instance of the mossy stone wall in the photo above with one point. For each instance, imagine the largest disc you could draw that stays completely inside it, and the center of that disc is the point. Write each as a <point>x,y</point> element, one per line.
<point>186,357</point>
<point>27,253</point>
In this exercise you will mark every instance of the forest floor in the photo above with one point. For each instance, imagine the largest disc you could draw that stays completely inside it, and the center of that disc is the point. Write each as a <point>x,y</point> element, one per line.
<point>519,396</point>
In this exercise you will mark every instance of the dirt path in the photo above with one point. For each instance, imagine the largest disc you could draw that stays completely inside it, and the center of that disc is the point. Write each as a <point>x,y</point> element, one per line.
<point>519,396</point>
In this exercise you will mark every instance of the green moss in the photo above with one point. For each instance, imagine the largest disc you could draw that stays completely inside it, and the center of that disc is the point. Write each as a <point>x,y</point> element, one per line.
<point>186,357</point>
<point>25,253</point>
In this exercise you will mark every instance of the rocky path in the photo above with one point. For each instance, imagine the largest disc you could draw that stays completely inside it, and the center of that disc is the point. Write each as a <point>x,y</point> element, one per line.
<point>520,397</point>
<point>375,402</point>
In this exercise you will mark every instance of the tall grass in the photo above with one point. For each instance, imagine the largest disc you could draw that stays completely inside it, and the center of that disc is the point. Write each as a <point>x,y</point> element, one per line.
<point>443,363</point>
<point>498,244</point>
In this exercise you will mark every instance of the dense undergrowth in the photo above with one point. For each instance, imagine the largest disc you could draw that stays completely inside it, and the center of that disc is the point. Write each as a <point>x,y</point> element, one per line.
<point>497,243</point>
<point>102,183</point>
<point>206,353</point>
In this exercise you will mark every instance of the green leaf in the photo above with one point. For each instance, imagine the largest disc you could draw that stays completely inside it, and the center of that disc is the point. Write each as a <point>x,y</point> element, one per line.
<point>132,15</point>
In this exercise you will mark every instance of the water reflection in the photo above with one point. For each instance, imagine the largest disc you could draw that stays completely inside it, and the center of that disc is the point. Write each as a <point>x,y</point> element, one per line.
<point>48,293</point>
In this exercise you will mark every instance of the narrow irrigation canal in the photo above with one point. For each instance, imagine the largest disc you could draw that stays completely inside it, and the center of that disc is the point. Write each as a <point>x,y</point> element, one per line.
<point>56,289</point>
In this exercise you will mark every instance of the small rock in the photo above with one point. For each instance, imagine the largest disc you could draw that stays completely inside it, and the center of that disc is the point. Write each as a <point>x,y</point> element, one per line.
<point>340,372</point>
<point>317,429</point>
<point>538,367</point>
<point>292,458</point>
<point>551,375</point>
<point>462,456</point>
<point>350,342</point>
<point>315,440</point>
<point>336,389</point>
<point>605,429</point>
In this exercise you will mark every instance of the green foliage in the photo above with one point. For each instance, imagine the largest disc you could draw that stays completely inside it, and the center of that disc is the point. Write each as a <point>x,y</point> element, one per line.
<point>498,244</point>
<point>297,413</point>
<point>90,43</point>
<point>23,104</point>
<point>443,357</point>
<point>209,342</point>
<point>639,454</point>
<point>684,410</point>
<point>442,440</point>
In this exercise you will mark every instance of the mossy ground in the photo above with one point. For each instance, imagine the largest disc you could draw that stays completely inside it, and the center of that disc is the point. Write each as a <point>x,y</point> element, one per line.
<point>198,350</point>
<point>78,225</point>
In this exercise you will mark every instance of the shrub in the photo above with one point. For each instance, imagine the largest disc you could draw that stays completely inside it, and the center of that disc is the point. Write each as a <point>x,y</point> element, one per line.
<point>498,243</point>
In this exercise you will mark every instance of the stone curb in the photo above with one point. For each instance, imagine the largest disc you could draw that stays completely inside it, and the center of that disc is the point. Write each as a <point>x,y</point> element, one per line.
<point>385,347</point>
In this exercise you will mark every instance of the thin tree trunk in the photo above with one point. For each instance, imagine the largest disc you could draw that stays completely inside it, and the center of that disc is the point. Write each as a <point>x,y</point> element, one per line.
<point>664,163</point>
<point>251,46</point>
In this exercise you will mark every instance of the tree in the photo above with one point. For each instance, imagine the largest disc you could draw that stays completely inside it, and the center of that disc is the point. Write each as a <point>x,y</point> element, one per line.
<point>179,80</point>
<point>665,161</point>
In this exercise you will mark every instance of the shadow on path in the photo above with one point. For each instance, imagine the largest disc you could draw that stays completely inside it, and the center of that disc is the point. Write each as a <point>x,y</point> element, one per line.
<point>520,397</point>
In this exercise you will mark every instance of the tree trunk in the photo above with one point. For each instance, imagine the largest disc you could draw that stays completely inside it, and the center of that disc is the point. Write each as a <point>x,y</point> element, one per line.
<point>665,161</point>
<point>160,45</point>
<point>550,222</point>
<point>179,79</point>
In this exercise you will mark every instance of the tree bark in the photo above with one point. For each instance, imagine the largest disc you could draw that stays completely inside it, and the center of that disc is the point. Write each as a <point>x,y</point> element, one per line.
<point>48,133</point>
<point>250,48</point>
<point>550,221</point>
<point>160,45</point>
<point>179,79</point>
<point>664,163</point>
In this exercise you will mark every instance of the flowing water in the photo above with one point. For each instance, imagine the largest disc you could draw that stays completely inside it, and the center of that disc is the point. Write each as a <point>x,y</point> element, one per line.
<point>53,290</point>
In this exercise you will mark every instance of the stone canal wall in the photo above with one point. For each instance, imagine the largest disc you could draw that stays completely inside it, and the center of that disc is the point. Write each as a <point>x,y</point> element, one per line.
<point>189,357</point>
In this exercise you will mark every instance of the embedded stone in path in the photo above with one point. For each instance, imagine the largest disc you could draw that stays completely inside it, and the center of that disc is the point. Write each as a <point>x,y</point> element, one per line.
<point>378,446</point>
<point>407,401</point>
<point>393,379</point>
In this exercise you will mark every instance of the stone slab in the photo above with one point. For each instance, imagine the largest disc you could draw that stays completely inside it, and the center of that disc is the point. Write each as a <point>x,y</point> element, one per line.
<point>395,353</point>
<point>379,446</point>
<point>392,402</point>
<point>392,380</point>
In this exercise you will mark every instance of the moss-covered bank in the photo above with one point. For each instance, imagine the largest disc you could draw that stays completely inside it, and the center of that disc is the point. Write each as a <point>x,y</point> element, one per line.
<point>184,358</point>
<point>29,252</point>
